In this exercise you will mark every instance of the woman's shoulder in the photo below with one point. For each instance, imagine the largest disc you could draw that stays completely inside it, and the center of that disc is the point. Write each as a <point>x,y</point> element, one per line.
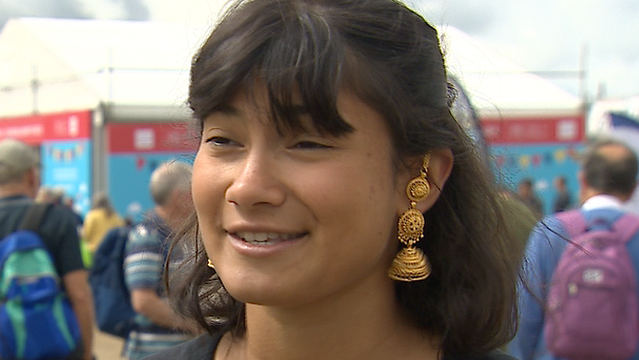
<point>494,355</point>
<point>200,348</point>
<point>499,355</point>
<point>203,348</point>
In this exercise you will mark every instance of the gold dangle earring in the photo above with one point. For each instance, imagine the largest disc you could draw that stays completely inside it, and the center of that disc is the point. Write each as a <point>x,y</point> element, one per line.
<point>210,264</point>
<point>411,264</point>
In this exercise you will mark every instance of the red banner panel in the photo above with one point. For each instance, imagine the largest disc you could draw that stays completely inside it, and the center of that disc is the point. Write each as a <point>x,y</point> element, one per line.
<point>534,130</point>
<point>37,128</point>
<point>150,137</point>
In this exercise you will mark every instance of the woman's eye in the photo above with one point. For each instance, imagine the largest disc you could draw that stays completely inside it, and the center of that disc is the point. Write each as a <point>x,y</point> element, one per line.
<point>310,145</point>
<point>219,140</point>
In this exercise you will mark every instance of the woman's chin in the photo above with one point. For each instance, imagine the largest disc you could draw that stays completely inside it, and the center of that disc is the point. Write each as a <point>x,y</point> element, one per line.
<point>255,297</point>
<point>253,291</point>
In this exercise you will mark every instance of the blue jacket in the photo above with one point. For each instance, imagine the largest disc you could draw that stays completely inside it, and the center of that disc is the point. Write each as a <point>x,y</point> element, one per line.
<point>545,246</point>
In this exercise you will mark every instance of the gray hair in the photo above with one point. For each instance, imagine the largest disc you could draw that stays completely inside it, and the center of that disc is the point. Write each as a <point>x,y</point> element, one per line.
<point>16,158</point>
<point>167,178</point>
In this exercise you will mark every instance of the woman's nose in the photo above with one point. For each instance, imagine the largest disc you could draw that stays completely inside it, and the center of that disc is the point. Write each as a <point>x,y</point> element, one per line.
<point>256,182</point>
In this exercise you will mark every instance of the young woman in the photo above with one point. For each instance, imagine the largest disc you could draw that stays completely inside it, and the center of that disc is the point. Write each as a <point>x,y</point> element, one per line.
<point>341,211</point>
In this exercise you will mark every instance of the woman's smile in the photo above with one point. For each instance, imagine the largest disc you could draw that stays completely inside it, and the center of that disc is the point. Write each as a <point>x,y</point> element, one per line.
<point>266,238</point>
<point>262,245</point>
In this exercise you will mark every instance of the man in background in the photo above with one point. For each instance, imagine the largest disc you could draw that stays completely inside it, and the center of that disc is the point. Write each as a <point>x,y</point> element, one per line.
<point>607,180</point>
<point>158,327</point>
<point>562,199</point>
<point>527,195</point>
<point>19,184</point>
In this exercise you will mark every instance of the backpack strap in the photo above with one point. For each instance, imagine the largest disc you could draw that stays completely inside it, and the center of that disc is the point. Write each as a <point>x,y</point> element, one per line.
<point>573,221</point>
<point>33,217</point>
<point>626,226</point>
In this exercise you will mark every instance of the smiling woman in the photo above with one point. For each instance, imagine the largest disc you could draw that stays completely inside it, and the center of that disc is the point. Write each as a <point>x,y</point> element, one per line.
<point>341,211</point>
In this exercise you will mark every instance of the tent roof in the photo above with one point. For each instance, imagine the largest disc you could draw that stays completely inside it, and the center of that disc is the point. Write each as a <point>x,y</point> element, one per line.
<point>82,64</point>
<point>496,85</point>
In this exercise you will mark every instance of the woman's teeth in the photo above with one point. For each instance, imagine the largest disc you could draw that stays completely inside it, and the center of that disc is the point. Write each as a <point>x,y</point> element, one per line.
<point>264,238</point>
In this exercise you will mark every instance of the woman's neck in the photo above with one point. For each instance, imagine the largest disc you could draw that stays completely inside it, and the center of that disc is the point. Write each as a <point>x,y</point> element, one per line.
<point>352,325</point>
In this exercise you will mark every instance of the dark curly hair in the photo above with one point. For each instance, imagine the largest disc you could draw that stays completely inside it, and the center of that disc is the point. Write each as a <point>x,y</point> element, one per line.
<point>389,57</point>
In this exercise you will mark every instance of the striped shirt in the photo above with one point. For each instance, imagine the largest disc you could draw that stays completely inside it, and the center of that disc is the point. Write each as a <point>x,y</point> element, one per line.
<point>146,252</point>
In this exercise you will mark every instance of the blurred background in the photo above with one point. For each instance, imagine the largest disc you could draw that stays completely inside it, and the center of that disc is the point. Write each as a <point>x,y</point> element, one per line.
<point>99,86</point>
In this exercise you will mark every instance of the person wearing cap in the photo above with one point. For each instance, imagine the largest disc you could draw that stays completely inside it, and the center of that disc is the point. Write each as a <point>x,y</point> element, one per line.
<point>19,183</point>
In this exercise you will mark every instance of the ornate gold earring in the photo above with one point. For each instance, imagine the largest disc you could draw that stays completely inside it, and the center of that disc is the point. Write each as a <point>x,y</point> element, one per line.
<point>210,264</point>
<point>410,264</point>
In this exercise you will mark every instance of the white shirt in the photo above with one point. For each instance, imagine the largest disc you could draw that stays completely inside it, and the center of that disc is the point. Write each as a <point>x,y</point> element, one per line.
<point>601,202</point>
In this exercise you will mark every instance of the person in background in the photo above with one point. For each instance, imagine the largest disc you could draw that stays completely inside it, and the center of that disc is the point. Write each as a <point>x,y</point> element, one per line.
<point>607,179</point>
<point>157,326</point>
<point>56,196</point>
<point>99,220</point>
<point>341,211</point>
<point>562,198</point>
<point>70,204</point>
<point>19,184</point>
<point>46,194</point>
<point>526,193</point>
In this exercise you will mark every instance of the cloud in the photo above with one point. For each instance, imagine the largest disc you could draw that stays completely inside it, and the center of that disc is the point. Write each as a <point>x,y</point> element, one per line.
<point>463,14</point>
<point>134,9</point>
<point>41,8</point>
<point>549,35</point>
<point>74,9</point>
<point>58,8</point>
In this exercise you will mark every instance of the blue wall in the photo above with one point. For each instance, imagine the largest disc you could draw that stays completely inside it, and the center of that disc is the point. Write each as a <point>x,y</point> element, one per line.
<point>540,162</point>
<point>129,180</point>
<point>67,165</point>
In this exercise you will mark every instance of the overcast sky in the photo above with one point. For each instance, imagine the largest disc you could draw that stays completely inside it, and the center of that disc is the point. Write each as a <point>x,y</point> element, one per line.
<point>552,37</point>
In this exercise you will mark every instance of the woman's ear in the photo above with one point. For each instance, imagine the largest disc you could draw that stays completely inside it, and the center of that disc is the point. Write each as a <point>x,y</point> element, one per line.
<point>439,169</point>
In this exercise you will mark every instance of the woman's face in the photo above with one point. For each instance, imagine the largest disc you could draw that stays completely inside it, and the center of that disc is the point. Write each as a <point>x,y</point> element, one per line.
<point>295,218</point>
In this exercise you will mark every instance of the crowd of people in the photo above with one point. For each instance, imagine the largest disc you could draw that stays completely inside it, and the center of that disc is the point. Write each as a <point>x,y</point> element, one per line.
<point>336,209</point>
<point>66,235</point>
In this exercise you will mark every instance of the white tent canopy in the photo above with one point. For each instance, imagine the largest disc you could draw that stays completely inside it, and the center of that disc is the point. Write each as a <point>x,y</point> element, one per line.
<point>80,64</point>
<point>499,87</point>
<point>49,65</point>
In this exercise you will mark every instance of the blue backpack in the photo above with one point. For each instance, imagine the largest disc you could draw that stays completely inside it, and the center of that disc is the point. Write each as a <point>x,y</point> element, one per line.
<point>113,310</point>
<point>36,318</point>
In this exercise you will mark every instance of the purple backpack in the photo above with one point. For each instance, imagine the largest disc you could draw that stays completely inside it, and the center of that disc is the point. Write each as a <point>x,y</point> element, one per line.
<point>592,306</point>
